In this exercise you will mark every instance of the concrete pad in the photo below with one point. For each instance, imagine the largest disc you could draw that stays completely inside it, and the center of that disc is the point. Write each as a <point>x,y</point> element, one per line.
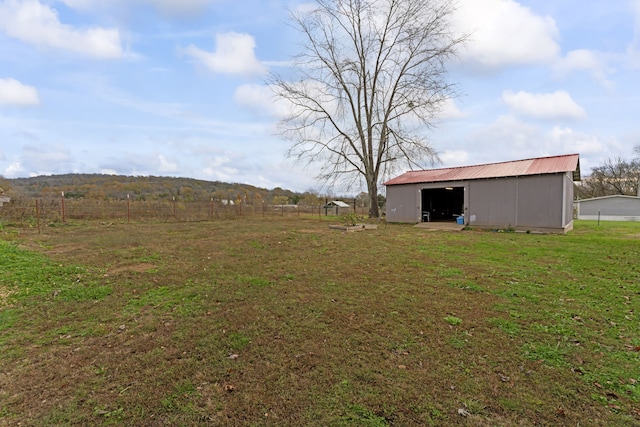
<point>446,226</point>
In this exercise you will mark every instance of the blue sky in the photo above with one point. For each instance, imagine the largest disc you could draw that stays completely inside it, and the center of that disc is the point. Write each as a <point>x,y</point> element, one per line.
<point>176,87</point>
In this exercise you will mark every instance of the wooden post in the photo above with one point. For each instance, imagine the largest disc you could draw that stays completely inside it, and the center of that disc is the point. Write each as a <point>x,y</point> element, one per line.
<point>63,213</point>
<point>174,209</point>
<point>38,215</point>
<point>128,209</point>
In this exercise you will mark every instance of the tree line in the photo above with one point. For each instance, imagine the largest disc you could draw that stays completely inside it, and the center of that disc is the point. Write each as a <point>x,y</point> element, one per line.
<point>119,187</point>
<point>616,176</point>
<point>154,188</point>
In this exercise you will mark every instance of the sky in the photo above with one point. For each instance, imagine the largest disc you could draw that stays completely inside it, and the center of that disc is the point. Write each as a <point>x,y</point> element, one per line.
<point>178,87</point>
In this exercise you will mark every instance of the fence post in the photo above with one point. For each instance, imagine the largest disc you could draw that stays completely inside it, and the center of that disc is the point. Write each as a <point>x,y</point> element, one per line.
<point>38,215</point>
<point>175,218</point>
<point>128,209</point>
<point>63,213</point>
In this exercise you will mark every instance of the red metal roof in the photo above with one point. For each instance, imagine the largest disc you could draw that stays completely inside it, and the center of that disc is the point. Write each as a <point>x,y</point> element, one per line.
<point>537,166</point>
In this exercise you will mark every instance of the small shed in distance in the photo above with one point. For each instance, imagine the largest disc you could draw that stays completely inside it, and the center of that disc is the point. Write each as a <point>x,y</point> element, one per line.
<point>531,194</point>
<point>338,205</point>
<point>4,199</point>
<point>609,208</point>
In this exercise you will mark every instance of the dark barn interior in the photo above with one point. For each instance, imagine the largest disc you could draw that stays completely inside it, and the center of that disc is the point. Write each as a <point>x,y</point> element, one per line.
<point>442,204</point>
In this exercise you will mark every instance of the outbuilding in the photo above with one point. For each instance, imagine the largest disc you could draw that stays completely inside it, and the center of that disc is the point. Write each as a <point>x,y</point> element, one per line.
<point>531,194</point>
<point>609,208</point>
<point>339,206</point>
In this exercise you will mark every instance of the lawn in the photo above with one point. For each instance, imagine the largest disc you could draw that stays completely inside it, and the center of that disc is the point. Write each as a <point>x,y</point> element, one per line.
<point>254,322</point>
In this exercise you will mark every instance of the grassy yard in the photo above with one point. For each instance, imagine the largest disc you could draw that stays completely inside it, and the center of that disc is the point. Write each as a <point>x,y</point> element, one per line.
<point>285,322</point>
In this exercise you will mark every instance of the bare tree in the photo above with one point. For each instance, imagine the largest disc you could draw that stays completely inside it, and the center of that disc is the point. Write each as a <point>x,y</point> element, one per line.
<point>371,83</point>
<point>615,176</point>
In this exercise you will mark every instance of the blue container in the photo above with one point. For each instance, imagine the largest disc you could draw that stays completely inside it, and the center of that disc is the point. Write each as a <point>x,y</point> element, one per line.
<point>460,220</point>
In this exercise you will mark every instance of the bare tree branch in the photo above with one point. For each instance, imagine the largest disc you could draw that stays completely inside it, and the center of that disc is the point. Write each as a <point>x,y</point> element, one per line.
<point>615,177</point>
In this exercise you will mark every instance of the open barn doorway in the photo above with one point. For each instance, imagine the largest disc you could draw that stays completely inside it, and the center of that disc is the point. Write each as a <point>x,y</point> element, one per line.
<point>442,204</point>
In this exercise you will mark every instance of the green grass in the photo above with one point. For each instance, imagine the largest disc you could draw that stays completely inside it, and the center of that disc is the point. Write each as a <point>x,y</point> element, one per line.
<point>285,322</point>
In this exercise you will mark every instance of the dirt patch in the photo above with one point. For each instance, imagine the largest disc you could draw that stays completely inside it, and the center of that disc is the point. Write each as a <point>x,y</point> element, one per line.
<point>135,268</point>
<point>5,293</point>
<point>65,248</point>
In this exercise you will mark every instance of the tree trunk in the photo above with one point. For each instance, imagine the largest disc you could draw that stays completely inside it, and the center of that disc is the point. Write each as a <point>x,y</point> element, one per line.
<point>372,187</point>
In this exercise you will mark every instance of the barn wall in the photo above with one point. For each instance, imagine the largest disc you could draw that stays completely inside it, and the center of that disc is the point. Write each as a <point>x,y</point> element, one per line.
<point>610,208</point>
<point>492,202</point>
<point>568,200</point>
<point>403,203</point>
<point>540,202</point>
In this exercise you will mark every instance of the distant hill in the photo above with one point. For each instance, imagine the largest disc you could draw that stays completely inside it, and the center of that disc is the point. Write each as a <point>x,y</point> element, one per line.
<point>100,186</point>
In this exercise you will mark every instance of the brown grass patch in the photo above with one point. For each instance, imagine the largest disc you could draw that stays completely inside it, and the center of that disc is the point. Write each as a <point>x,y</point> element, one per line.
<point>135,268</point>
<point>5,293</point>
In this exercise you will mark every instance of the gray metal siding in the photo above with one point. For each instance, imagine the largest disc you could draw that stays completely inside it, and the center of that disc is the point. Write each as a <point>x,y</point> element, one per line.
<point>492,202</point>
<point>529,202</point>
<point>403,203</point>
<point>568,200</point>
<point>540,202</point>
<point>618,206</point>
<point>534,202</point>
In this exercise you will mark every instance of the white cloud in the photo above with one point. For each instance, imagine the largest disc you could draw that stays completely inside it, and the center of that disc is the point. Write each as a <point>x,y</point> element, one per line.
<point>453,158</point>
<point>304,8</point>
<point>556,105</point>
<point>13,170</point>
<point>45,160</point>
<point>234,55</point>
<point>179,8</point>
<point>635,5</point>
<point>12,92</point>
<point>504,33</point>
<point>165,165</point>
<point>220,168</point>
<point>584,60</point>
<point>575,142</point>
<point>633,49</point>
<point>449,110</point>
<point>509,138</point>
<point>33,22</point>
<point>509,129</point>
<point>260,99</point>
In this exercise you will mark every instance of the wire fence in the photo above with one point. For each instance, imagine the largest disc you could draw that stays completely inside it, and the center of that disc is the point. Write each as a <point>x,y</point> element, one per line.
<point>47,211</point>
